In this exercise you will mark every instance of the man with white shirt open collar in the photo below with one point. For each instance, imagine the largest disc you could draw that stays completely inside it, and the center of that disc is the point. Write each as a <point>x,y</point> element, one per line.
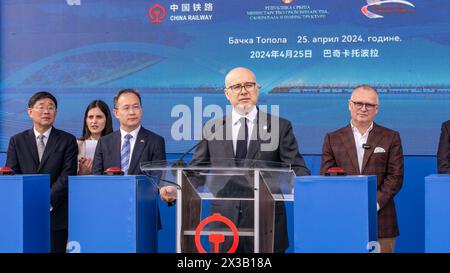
<point>366,148</point>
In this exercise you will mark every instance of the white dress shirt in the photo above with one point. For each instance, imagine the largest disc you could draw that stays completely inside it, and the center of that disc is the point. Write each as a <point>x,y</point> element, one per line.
<point>361,139</point>
<point>236,125</point>
<point>46,134</point>
<point>134,134</point>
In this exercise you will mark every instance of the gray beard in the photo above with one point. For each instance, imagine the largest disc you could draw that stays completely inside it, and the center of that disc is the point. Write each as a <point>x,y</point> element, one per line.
<point>244,110</point>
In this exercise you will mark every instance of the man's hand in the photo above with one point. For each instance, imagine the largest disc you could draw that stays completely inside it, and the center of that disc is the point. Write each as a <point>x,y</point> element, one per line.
<point>168,193</point>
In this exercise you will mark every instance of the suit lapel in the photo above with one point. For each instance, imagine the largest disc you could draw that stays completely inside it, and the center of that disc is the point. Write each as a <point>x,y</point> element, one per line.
<point>374,138</point>
<point>117,142</point>
<point>32,146</point>
<point>261,126</point>
<point>137,150</point>
<point>350,147</point>
<point>49,147</point>
<point>227,136</point>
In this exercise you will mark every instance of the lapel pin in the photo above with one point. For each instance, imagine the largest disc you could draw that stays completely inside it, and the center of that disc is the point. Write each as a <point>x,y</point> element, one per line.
<point>142,141</point>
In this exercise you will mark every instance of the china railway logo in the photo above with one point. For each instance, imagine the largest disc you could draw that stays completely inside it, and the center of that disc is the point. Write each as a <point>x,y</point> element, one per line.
<point>157,14</point>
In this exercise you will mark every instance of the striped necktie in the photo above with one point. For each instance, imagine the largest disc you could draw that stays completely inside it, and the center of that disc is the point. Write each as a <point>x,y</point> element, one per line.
<point>125,154</point>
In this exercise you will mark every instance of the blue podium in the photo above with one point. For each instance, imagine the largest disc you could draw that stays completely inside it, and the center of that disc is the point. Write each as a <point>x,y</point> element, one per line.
<point>25,214</point>
<point>112,214</point>
<point>437,213</point>
<point>335,214</point>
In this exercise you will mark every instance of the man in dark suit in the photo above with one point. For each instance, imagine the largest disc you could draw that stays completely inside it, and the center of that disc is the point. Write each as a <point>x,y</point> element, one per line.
<point>249,135</point>
<point>132,144</point>
<point>47,150</point>
<point>443,154</point>
<point>365,148</point>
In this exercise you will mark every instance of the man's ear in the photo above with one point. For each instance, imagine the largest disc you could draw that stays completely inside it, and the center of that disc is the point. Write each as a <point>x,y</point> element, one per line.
<point>115,110</point>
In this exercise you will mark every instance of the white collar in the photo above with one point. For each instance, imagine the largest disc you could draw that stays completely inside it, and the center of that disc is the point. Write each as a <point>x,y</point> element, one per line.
<point>354,129</point>
<point>133,133</point>
<point>46,133</point>
<point>251,116</point>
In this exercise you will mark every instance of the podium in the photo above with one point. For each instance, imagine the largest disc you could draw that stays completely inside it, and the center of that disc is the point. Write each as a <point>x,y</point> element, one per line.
<point>437,213</point>
<point>25,214</point>
<point>335,214</point>
<point>112,214</point>
<point>227,205</point>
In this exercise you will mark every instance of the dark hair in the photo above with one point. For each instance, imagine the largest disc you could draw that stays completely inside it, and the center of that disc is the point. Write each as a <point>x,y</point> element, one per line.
<point>105,109</point>
<point>126,91</point>
<point>39,96</point>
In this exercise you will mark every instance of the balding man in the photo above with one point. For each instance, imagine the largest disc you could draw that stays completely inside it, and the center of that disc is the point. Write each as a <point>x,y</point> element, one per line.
<point>242,135</point>
<point>366,148</point>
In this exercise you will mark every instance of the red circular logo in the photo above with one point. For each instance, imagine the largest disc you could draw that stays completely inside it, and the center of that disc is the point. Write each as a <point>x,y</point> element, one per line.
<point>216,238</point>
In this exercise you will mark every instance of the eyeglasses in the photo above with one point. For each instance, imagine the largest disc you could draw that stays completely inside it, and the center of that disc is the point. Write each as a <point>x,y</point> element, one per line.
<point>127,108</point>
<point>248,86</point>
<point>359,105</point>
<point>42,108</point>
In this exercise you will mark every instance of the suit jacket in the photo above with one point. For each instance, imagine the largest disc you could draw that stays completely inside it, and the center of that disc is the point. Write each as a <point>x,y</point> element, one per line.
<point>213,151</point>
<point>443,154</point>
<point>148,147</point>
<point>59,161</point>
<point>339,150</point>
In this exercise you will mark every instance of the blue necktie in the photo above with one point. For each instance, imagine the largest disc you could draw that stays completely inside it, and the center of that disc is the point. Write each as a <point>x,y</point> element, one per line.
<point>125,154</point>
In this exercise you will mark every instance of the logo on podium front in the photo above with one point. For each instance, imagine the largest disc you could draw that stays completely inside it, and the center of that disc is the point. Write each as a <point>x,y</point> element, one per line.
<point>216,238</point>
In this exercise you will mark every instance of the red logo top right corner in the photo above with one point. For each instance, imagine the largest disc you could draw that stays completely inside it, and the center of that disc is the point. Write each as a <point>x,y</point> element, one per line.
<point>377,9</point>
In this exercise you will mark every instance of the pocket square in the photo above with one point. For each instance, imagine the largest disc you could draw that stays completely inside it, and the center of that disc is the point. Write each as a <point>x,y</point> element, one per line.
<point>379,150</point>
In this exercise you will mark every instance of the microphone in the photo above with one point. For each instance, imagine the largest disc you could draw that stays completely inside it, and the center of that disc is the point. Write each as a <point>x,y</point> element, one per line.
<point>366,146</point>
<point>180,161</point>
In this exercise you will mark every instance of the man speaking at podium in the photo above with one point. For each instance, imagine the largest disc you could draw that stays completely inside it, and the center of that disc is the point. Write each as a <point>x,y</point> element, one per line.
<point>242,141</point>
<point>365,148</point>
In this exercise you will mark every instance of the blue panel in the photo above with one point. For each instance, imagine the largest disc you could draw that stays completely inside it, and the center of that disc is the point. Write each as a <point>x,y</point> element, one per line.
<point>334,214</point>
<point>25,213</point>
<point>147,216</point>
<point>410,204</point>
<point>437,213</point>
<point>36,213</point>
<point>11,214</point>
<point>102,213</point>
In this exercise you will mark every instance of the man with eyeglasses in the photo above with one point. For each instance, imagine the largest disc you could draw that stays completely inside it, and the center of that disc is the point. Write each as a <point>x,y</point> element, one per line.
<point>132,144</point>
<point>241,139</point>
<point>47,150</point>
<point>366,148</point>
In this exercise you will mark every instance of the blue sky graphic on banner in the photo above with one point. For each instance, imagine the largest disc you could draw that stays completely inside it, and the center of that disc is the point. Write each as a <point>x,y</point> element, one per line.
<point>307,56</point>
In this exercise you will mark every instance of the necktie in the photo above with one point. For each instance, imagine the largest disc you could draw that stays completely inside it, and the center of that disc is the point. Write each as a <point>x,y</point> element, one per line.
<point>40,146</point>
<point>241,144</point>
<point>125,154</point>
